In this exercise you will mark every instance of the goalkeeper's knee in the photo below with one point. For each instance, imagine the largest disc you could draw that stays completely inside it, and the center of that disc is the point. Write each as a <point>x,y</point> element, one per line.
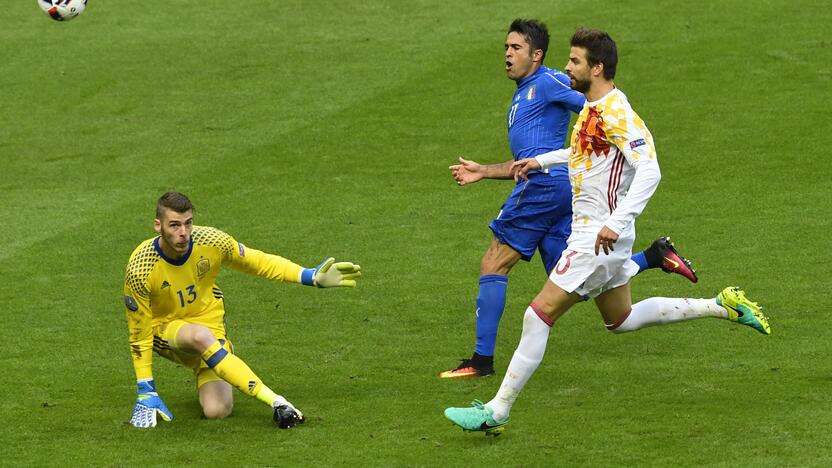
<point>217,409</point>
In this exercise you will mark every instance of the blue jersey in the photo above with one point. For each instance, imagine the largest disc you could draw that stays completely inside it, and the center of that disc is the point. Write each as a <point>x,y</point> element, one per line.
<point>538,118</point>
<point>538,213</point>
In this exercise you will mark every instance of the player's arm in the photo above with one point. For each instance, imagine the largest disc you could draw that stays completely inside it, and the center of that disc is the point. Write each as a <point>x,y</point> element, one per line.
<point>636,143</point>
<point>520,169</point>
<point>468,172</point>
<point>139,321</point>
<point>326,275</point>
<point>558,90</point>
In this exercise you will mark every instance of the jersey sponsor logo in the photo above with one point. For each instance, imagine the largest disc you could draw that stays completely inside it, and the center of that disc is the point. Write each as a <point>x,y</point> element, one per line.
<point>165,284</point>
<point>241,249</point>
<point>202,267</point>
<point>131,303</point>
<point>636,143</point>
<point>530,94</point>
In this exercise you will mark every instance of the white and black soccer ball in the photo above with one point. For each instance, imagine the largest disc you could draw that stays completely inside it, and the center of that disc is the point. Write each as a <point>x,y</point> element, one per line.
<point>62,10</point>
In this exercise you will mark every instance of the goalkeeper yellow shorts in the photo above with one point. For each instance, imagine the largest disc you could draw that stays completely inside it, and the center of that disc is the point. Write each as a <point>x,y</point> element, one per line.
<point>164,343</point>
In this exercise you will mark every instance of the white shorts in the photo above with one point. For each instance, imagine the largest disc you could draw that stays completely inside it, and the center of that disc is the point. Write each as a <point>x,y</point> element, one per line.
<point>582,272</point>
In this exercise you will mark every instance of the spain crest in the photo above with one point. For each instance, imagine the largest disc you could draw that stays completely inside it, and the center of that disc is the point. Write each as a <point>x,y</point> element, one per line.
<point>202,267</point>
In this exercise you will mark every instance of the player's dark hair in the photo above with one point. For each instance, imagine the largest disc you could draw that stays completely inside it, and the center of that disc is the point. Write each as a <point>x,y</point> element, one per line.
<point>173,201</point>
<point>535,33</point>
<point>600,48</point>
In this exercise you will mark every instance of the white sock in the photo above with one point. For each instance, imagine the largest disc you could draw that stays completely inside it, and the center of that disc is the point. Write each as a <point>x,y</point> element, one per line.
<point>661,310</point>
<point>526,358</point>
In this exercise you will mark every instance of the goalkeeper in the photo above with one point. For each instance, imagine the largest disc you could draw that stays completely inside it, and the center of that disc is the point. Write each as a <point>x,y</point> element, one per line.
<point>175,308</point>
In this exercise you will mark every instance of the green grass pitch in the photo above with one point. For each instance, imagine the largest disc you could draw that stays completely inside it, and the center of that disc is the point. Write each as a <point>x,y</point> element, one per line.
<point>318,128</point>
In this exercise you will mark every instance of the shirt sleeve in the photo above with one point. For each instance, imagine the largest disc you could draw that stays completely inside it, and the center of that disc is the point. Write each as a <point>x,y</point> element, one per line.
<point>559,91</point>
<point>258,263</point>
<point>631,136</point>
<point>553,158</point>
<point>139,323</point>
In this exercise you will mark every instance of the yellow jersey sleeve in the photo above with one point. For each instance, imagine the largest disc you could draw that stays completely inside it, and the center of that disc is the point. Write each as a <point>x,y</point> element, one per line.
<point>137,304</point>
<point>248,260</point>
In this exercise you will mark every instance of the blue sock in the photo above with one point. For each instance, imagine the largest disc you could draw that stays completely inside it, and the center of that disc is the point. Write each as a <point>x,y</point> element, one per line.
<point>490,304</point>
<point>641,260</point>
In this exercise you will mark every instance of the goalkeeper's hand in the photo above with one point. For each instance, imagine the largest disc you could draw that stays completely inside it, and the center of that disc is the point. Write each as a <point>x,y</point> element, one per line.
<point>148,405</point>
<point>332,275</point>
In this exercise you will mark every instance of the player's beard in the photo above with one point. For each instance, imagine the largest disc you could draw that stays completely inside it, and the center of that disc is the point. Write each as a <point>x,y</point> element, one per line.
<point>581,86</point>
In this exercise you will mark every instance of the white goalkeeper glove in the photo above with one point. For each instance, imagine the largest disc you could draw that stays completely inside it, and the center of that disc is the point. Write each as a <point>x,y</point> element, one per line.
<point>330,274</point>
<point>148,405</point>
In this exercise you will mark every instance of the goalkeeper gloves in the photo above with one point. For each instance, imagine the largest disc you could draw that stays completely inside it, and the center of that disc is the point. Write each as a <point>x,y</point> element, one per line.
<point>148,404</point>
<point>331,275</point>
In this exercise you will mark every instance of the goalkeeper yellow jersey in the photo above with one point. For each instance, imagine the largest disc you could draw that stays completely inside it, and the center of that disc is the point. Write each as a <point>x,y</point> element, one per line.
<point>160,289</point>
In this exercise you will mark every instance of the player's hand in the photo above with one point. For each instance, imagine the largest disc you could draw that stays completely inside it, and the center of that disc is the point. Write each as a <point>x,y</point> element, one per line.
<point>332,275</point>
<point>606,238</point>
<point>520,169</point>
<point>148,406</point>
<point>467,172</point>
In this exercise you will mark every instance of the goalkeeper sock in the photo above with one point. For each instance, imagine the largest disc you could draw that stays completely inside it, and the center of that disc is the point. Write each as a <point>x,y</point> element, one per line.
<point>234,371</point>
<point>490,304</point>
<point>526,358</point>
<point>662,310</point>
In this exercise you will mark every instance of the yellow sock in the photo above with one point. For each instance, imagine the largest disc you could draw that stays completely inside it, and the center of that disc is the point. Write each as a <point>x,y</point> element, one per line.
<point>266,395</point>
<point>234,371</point>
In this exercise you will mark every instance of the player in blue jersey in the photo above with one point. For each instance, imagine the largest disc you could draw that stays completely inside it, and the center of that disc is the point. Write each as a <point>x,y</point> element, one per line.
<point>538,213</point>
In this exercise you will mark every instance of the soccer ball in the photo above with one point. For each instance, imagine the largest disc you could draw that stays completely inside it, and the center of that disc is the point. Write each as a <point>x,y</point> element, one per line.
<point>62,10</point>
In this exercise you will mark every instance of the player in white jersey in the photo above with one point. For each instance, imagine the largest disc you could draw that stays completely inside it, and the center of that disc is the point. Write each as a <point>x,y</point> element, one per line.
<point>613,171</point>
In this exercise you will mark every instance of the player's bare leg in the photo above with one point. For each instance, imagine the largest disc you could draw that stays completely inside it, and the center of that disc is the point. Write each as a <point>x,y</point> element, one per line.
<point>553,302</point>
<point>495,265</point>
<point>615,305</point>
<point>216,399</point>
<point>549,305</point>
<point>499,259</point>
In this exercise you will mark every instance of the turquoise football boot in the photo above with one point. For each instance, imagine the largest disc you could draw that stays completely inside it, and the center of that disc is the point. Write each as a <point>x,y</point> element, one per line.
<point>479,417</point>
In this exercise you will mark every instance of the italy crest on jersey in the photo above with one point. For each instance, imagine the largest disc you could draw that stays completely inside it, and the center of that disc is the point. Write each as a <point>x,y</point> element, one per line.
<point>530,93</point>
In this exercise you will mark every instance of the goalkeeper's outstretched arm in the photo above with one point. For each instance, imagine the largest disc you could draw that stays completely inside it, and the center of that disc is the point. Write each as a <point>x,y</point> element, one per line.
<point>329,274</point>
<point>332,274</point>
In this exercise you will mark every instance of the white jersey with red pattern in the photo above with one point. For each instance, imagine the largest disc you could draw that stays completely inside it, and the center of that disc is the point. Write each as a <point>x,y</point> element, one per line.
<point>612,165</point>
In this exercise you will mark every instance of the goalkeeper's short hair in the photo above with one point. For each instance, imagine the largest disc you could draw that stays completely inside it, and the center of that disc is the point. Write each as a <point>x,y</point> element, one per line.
<point>175,201</point>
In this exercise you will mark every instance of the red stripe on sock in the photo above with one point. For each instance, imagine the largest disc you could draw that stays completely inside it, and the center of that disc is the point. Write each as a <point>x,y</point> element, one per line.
<point>618,323</point>
<point>546,319</point>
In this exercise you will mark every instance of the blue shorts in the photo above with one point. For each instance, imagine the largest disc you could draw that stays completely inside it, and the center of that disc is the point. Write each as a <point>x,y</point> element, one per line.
<point>537,216</point>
